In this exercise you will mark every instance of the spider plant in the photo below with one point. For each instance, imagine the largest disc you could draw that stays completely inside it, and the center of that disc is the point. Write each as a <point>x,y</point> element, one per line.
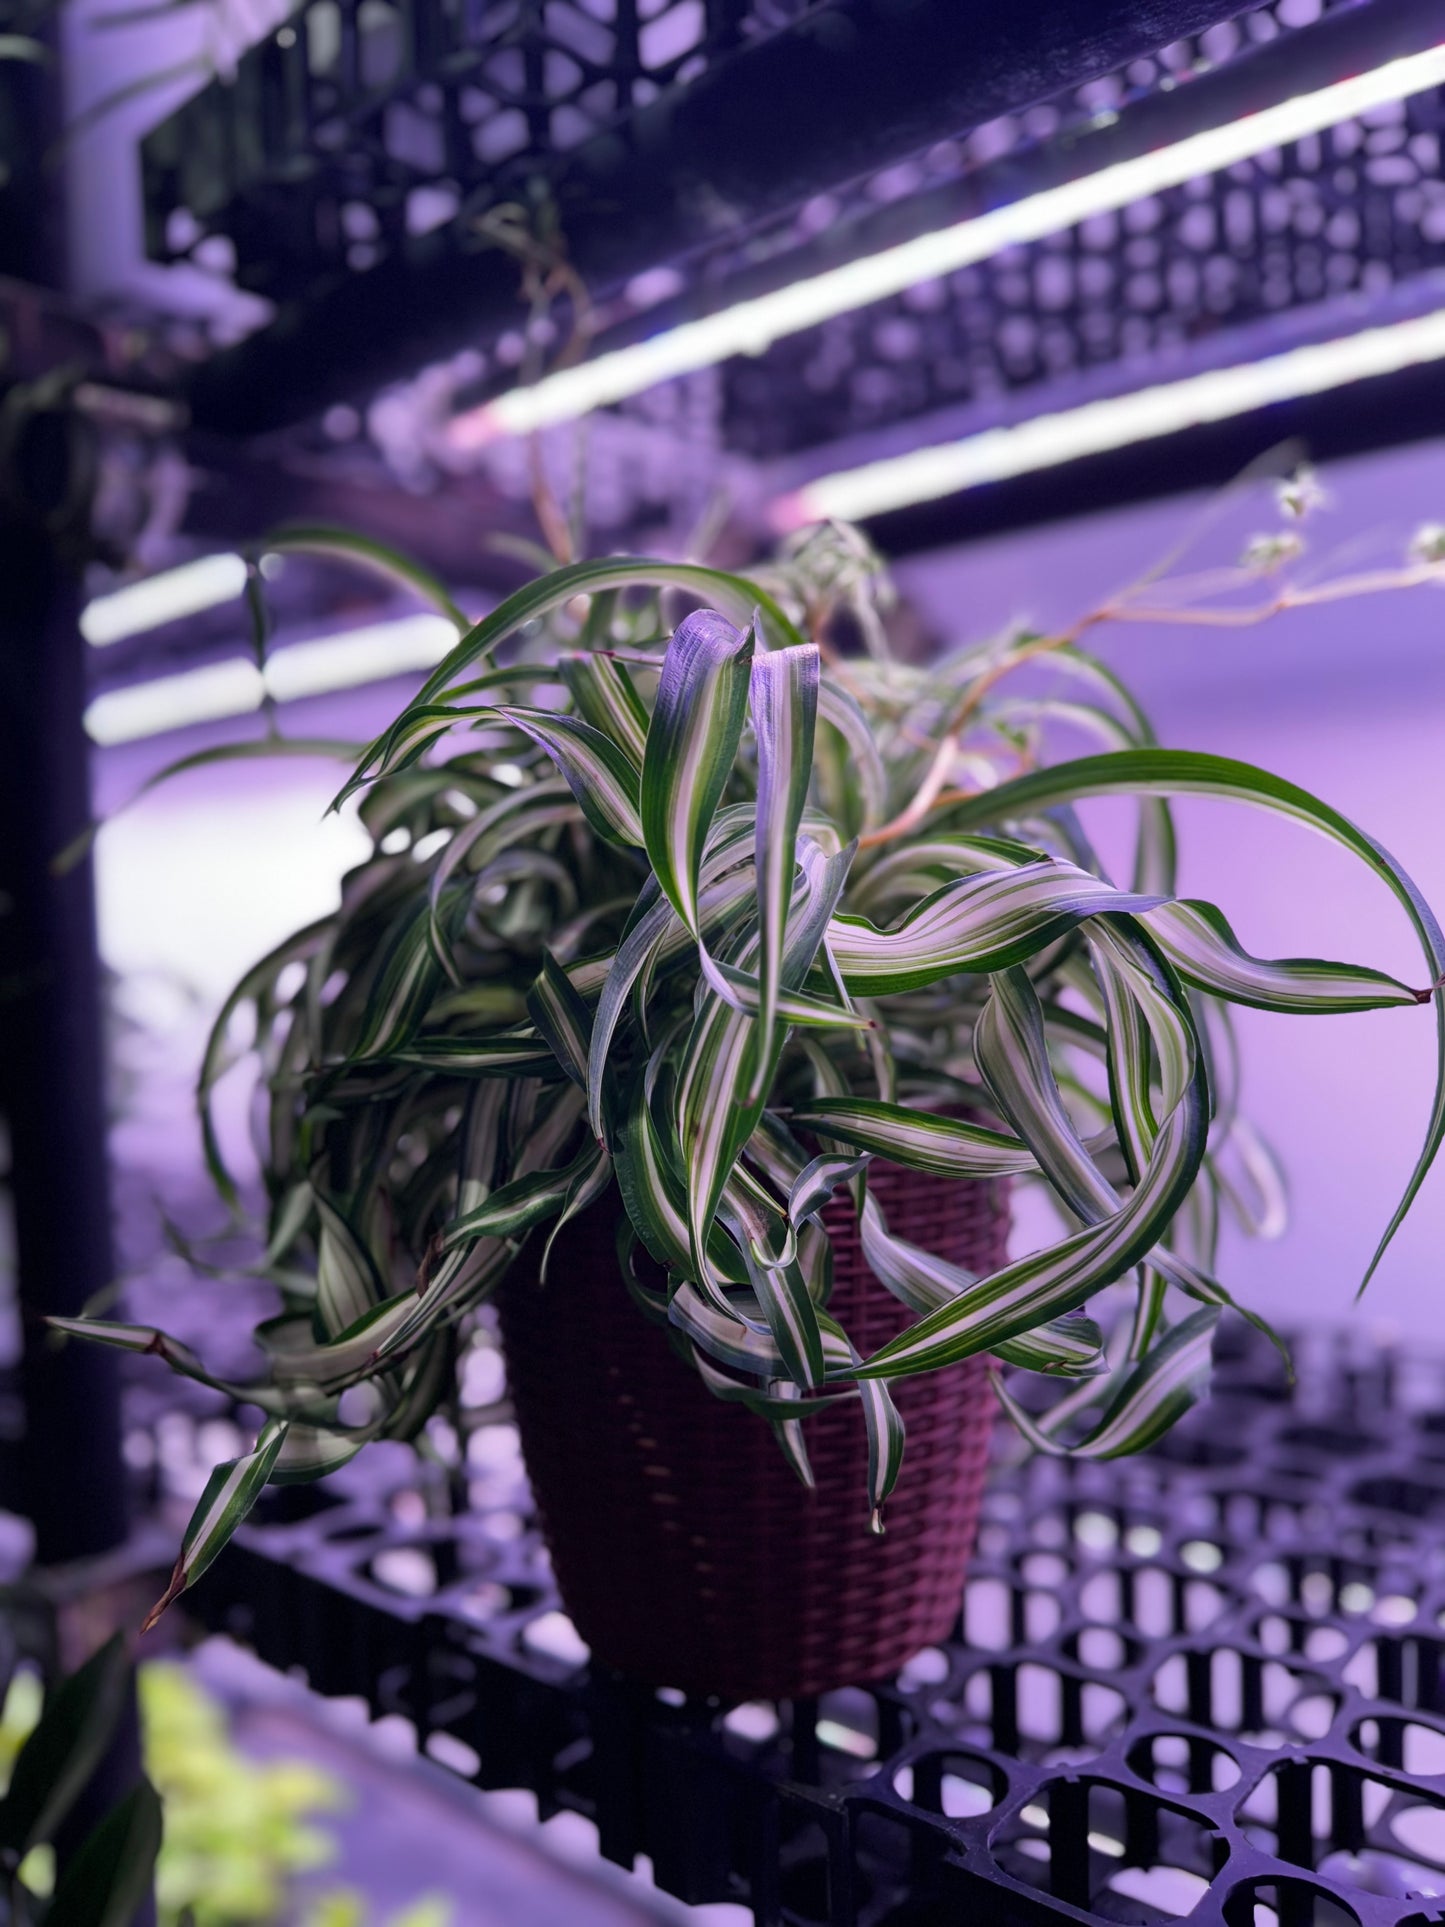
<point>705,918</point>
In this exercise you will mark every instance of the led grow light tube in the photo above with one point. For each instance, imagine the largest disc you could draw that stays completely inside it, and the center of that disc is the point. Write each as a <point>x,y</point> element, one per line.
<point>1045,441</point>
<point>749,327</point>
<point>139,606</point>
<point>236,688</point>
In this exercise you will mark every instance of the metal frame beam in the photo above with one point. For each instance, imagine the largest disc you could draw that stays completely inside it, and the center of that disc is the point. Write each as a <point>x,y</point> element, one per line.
<point>853,87</point>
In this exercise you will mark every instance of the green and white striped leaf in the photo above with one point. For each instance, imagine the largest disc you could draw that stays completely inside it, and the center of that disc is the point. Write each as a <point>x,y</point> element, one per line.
<point>925,1283</point>
<point>513,1208</point>
<point>692,743</point>
<point>1048,1284</point>
<point>605,695</point>
<point>230,1492</point>
<point>723,1336</point>
<point>1197,940</point>
<point>734,595</point>
<point>410,977</point>
<point>883,1423</point>
<point>714,1118</point>
<point>1158,772</point>
<point>505,1055</point>
<point>590,1183</point>
<point>347,1281</point>
<point>524,813</point>
<point>743,991</point>
<point>345,545</point>
<point>1153,1395</point>
<point>976,923</point>
<point>886,1439</point>
<point>863,776</point>
<point>562,1017</point>
<point>948,1147</point>
<point>813,1188</point>
<point>601,775</point>
<point>794,1447</point>
<point>783,702</point>
<point>1010,1048</point>
<point>310,1452</point>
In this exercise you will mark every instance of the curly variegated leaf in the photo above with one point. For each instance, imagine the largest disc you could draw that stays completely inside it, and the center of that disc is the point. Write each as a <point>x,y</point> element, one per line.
<point>783,703</point>
<point>977,923</point>
<point>229,1494</point>
<point>601,775</point>
<point>1157,1391</point>
<point>692,742</point>
<point>1157,772</point>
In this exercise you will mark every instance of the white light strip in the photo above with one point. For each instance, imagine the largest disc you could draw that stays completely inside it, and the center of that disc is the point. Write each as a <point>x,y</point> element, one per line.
<point>358,656</point>
<point>752,326</point>
<point>202,584</point>
<point>237,687</point>
<point>1045,441</point>
<point>205,695</point>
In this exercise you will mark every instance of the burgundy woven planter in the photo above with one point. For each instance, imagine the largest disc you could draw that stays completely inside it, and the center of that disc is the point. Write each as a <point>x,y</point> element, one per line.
<point>686,1551</point>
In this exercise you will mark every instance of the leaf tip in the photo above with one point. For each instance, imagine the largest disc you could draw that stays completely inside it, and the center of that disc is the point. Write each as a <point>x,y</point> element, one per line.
<point>173,1591</point>
<point>875,1523</point>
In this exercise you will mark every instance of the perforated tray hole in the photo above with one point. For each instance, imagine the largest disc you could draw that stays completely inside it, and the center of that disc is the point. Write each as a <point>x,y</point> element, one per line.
<point>1038,1708</point>
<point>1151,1600</point>
<point>1376,1871</point>
<point>1330,1441</point>
<point>1104,1648</point>
<point>1286,1903</point>
<point>1198,1449</point>
<point>1393,1493</point>
<point>1083,1840</point>
<point>1184,1763</point>
<point>997,1615</point>
<point>1283,1633</point>
<point>1407,1672</point>
<point>1406,1744</point>
<point>755,1722</point>
<point>1350,1826</point>
<point>408,1570</point>
<point>957,1785</point>
<point>1318,1585</point>
<point>1260,1699</point>
<point>928,1668</point>
<point>1419,1827</point>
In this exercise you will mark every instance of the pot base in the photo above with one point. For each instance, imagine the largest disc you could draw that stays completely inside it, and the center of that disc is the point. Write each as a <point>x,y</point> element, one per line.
<point>686,1551</point>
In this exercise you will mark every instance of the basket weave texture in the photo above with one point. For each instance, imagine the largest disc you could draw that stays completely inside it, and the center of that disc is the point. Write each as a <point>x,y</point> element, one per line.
<point>686,1551</point>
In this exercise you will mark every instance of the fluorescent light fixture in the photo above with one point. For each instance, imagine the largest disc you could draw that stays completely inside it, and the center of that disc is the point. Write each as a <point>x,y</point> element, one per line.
<point>204,695</point>
<point>358,656</point>
<point>237,687</point>
<point>749,327</point>
<point>1045,441</point>
<point>202,584</point>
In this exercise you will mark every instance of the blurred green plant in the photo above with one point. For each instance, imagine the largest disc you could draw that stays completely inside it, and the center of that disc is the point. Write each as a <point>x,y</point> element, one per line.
<point>54,1745</point>
<point>238,1831</point>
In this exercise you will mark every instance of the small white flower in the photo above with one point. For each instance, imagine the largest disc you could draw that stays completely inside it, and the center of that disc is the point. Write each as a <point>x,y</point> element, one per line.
<point>1263,554</point>
<point>1297,494</point>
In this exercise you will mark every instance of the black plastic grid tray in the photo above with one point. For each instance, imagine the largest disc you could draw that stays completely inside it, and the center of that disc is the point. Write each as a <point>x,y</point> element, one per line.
<point>1206,1683</point>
